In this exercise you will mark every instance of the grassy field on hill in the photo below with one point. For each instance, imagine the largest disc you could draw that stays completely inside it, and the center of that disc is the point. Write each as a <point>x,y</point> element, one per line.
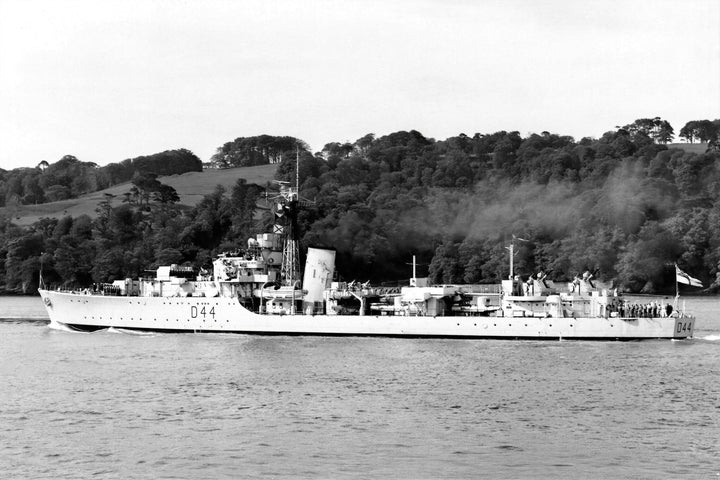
<point>191,187</point>
<point>698,148</point>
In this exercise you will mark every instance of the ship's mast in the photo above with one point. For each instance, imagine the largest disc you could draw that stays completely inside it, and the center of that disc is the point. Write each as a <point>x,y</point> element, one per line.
<point>290,269</point>
<point>297,172</point>
<point>41,281</point>
<point>511,248</point>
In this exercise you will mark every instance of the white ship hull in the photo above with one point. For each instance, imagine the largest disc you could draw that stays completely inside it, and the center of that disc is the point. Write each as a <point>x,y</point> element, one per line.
<point>220,314</point>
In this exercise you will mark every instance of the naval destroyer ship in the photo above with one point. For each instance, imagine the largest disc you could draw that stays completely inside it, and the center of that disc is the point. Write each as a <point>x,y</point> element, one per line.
<point>258,290</point>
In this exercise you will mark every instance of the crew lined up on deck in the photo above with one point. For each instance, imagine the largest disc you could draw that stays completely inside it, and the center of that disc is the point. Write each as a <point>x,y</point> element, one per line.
<point>625,309</point>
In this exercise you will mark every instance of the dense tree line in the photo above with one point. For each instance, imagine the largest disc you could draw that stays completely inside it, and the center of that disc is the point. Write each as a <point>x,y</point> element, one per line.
<point>624,206</point>
<point>258,150</point>
<point>703,131</point>
<point>70,177</point>
<point>126,238</point>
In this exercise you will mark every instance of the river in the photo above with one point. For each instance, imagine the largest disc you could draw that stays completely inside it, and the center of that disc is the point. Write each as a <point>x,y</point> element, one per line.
<point>197,406</point>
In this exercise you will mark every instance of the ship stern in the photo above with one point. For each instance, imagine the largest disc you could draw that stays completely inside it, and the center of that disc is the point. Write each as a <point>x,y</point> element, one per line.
<point>684,327</point>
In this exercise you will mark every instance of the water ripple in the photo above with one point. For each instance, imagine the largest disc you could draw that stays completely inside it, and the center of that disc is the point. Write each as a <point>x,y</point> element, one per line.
<point>194,406</point>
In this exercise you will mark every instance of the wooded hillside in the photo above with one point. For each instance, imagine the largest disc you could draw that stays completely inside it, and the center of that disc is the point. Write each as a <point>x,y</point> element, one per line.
<point>70,178</point>
<point>623,206</point>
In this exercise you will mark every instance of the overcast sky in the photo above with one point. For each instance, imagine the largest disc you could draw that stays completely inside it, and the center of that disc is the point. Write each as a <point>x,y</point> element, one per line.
<point>110,80</point>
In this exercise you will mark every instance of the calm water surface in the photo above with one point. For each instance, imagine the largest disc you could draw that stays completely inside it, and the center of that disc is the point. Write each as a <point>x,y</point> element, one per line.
<point>118,405</point>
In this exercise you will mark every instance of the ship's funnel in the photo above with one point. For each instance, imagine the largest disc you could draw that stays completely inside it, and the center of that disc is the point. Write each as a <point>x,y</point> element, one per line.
<point>319,270</point>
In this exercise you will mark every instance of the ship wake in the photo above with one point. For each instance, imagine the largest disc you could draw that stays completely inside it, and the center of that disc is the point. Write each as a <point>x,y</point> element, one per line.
<point>64,328</point>
<point>127,331</point>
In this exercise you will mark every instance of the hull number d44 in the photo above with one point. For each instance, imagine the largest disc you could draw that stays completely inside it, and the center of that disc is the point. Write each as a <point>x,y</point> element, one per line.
<point>205,312</point>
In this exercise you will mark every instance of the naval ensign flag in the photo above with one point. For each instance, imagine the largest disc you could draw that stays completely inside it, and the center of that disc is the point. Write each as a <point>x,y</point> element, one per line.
<point>682,277</point>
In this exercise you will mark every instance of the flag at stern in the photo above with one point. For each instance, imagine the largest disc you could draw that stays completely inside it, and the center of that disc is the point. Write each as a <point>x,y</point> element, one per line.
<point>682,277</point>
